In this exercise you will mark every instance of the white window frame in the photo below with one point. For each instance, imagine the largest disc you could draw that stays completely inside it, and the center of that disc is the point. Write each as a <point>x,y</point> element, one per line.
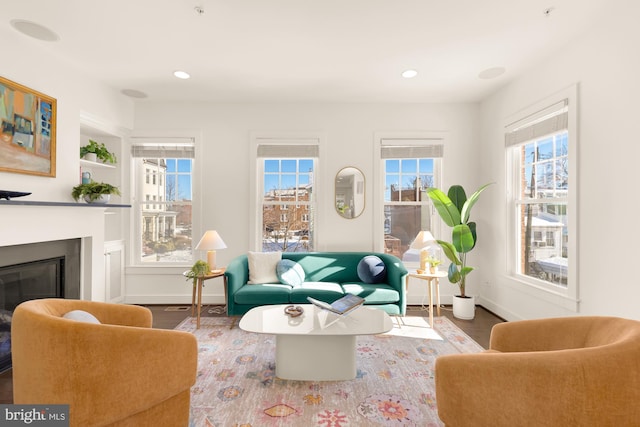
<point>567,297</point>
<point>256,173</point>
<point>400,139</point>
<point>196,202</point>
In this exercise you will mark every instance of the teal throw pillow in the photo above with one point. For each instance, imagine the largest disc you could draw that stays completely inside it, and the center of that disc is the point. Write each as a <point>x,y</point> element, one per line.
<point>371,269</point>
<point>290,272</point>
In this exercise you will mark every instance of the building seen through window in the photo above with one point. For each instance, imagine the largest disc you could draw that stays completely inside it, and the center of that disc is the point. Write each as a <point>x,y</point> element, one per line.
<point>287,205</point>
<point>164,187</point>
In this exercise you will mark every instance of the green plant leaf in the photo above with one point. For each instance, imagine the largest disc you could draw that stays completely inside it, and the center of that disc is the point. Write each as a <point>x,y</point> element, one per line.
<point>453,274</point>
<point>458,196</point>
<point>445,207</point>
<point>462,238</point>
<point>450,252</point>
<point>466,270</point>
<point>472,227</point>
<point>468,204</point>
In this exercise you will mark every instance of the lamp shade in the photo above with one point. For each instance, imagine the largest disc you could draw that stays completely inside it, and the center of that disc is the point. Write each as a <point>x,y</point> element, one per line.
<point>422,240</point>
<point>211,240</point>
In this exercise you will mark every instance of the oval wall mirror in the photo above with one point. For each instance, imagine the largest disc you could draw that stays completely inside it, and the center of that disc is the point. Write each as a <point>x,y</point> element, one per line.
<point>349,190</point>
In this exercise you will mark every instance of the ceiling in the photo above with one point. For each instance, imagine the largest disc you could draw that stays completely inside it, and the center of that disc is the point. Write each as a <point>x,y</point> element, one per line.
<point>305,50</point>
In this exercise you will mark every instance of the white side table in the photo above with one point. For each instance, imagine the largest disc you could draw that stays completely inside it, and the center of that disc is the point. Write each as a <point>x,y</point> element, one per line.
<point>432,279</point>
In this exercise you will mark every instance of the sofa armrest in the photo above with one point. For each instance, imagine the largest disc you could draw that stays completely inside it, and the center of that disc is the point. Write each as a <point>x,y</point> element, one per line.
<point>396,276</point>
<point>237,274</point>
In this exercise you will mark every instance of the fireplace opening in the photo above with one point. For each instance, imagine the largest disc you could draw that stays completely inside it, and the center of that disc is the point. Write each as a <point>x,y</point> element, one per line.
<point>35,271</point>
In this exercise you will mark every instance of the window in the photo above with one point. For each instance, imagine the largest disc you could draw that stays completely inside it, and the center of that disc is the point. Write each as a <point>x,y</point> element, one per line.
<point>163,174</point>
<point>541,159</point>
<point>409,167</point>
<point>285,195</point>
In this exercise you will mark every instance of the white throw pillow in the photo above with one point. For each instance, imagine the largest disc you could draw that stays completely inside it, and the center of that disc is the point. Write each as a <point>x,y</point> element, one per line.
<point>81,316</point>
<point>262,267</point>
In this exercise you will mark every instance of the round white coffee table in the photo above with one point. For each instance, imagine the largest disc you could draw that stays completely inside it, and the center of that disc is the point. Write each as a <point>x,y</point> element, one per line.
<point>318,345</point>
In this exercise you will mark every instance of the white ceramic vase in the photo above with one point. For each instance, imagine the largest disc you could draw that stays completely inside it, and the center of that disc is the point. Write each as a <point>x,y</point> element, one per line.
<point>104,198</point>
<point>464,308</point>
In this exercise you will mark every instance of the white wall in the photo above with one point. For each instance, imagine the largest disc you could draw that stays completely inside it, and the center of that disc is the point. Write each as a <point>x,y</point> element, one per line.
<point>606,65</point>
<point>34,66</point>
<point>30,63</point>
<point>348,131</point>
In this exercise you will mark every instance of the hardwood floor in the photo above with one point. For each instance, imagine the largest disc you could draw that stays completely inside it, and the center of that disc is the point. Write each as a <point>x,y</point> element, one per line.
<point>168,317</point>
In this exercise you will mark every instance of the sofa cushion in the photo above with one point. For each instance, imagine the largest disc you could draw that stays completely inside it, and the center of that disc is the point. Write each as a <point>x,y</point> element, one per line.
<point>260,294</point>
<point>373,293</point>
<point>323,291</point>
<point>262,267</point>
<point>371,269</point>
<point>81,316</point>
<point>290,272</point>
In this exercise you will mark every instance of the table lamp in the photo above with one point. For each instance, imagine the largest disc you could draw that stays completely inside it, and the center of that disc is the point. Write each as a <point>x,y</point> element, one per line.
<point>423,241</point>
<point>211,241</point>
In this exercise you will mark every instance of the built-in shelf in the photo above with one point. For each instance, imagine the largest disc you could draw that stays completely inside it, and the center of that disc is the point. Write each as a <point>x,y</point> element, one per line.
<point>70,204</point>
<point>88,163</point>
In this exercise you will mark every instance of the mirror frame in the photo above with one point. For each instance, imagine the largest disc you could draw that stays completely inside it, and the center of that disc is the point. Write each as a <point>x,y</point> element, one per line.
<point>357,193</point>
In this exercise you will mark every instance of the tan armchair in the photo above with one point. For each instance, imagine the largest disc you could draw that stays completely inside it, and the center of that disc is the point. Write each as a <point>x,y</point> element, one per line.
<point>575,371</point>
<point>116,373</point>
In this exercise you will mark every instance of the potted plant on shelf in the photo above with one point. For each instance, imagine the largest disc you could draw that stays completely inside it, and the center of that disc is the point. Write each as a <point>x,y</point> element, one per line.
<point>454,208</point>
<point>96,150</point>
<point>94,192</point>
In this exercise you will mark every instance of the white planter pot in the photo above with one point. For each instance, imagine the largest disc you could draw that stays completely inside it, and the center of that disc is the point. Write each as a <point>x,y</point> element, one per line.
<point>91,157</point>
<point>104,198</point>
<point>464,308</point>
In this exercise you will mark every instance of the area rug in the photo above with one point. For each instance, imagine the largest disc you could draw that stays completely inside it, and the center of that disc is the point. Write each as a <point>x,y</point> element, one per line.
<point>394,386</point>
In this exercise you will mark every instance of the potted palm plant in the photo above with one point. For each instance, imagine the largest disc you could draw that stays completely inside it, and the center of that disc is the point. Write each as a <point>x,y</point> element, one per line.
<point>94,192</point>
<point>455,209</point>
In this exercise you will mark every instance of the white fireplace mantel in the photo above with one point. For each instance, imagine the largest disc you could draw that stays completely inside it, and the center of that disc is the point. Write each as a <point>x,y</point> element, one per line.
<point>48,221</point>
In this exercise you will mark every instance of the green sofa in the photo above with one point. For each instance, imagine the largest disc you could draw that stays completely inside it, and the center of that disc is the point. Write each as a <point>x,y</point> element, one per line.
<point>328,276</point>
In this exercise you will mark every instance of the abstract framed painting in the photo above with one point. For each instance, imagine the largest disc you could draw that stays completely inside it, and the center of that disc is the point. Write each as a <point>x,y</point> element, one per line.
<point>27,130</point>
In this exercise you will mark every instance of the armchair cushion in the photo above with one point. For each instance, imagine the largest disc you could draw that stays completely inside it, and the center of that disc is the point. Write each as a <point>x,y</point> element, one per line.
<point>81,316</point>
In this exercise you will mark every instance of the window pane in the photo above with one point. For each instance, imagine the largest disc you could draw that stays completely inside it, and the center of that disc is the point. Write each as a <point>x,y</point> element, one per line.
<point>392,166</point>
<point>184,165</point>
<point>392,187</point>
<point>306,165</point>
<point>288,165</point>
<point>272,165</point>
<point>165,224</point>
<point>286,230</point>
<point>409,165</point>
<point>287,223</point>
<point>543,225</point>
<point>401,225</point>
<point>543,242</point>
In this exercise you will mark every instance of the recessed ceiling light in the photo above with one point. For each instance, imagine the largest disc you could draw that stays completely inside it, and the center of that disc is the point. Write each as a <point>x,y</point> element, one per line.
<point>132,93</point>
<point>409,74</point>
<point>181,74</point>
<point>491,73</point>
<point>34,30</point>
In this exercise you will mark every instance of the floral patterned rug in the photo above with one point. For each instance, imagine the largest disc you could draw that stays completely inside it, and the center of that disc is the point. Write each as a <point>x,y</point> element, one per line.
<point>236,386</point>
